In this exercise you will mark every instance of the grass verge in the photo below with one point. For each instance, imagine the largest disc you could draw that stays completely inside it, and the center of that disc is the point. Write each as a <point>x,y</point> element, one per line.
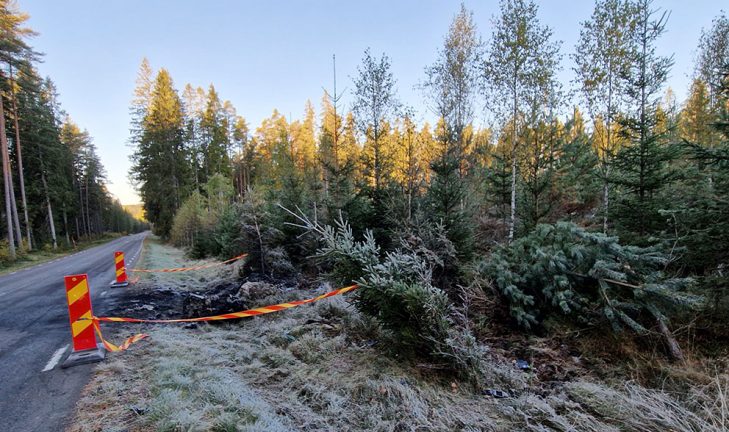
<point>40,256</point>
<point>325,367</point>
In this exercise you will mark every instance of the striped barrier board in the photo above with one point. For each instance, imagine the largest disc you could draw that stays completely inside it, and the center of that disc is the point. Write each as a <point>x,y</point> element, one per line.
<point>85,349</point>
<point>120,271</point>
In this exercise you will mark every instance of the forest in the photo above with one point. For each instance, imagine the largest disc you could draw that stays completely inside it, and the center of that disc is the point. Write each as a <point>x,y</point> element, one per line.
<point>599,202</point>
<point>53,180</point>
<point>598,206</point>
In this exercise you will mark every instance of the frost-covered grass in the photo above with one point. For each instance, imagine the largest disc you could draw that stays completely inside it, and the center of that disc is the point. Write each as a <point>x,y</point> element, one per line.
<point>315,368</point>
<point>159,255</point>
<point>325,367</point>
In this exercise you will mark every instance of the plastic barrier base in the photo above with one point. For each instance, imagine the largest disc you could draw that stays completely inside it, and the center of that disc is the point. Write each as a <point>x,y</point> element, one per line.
<point>119,284</point>
<point>83,357</point>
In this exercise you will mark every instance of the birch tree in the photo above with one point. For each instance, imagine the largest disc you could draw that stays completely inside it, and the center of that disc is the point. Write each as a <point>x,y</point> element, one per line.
<point>602,58</point>
<point>375,102</point>
<point>519,70</point>
<point>713,56</point>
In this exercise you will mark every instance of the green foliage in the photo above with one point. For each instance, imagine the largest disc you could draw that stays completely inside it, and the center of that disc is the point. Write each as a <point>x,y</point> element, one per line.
<point>160,165</point>
<point>249,227</point>
<point>701,215</point>
<point>397,289</point>
<point>188,222</point>
<point>642,167</point>
<point>199,219</point>
<point>577,181</point>
<point>563,269</point>
<point>446,204</point>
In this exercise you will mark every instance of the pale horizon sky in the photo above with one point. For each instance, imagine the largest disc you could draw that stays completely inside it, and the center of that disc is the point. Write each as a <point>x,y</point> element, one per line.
<point>275,54</point>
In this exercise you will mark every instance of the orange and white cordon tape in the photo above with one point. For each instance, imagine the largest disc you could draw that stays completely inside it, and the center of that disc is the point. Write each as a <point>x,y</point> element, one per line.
<point>233,315</point>
<point>184,269</point>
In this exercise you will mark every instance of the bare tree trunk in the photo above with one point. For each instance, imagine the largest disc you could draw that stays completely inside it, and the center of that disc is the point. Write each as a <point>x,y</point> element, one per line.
<point>88,212</point>
<point>673,348</point>
<point>83,212</point>
<point>606,204</point>
<point>14,203</point>
<point>65,227</point>
<point>6,181</point>
<point>51,222</point>
<point>260,245</point>
<point>512,221</point>
<point>18,148</point>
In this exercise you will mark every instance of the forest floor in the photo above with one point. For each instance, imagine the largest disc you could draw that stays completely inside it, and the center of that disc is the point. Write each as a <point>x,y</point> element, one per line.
<point>325,367</point>
<point>40,256</point>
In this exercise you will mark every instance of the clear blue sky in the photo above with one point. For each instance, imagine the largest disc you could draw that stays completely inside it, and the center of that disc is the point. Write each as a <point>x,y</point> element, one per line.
<point>263,55</point>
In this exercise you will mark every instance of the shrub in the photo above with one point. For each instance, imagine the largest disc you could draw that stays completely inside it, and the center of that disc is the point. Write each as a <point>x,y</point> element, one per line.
<point>249,227</point>
<point>397,289</point>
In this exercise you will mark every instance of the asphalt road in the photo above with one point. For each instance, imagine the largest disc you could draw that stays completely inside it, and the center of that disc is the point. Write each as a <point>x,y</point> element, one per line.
<point>35,393</point>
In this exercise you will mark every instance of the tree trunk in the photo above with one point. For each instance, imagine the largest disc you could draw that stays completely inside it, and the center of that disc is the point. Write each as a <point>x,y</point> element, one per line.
<point>606,203</point>
<point>51,222</point>
<point>88,212</point>
<point>673,348</point>
<point>65,227</point>
<point>18,148</point>
<point>512,220</point>
<point>6,181</point>
<point>14,203</point>
<point>83,212</point>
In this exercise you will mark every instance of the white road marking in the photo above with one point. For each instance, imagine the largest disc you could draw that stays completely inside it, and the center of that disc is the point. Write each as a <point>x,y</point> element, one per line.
<point>55,358</point>
<point>102,294</point>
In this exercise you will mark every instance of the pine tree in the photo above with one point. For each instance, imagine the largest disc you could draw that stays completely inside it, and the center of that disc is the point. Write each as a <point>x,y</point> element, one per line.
<point>194,103</point>
<point>562,269</point>
<point>14,51</point>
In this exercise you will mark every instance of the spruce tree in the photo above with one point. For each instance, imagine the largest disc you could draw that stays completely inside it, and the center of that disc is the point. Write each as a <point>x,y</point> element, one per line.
<point>214,137</point>
<point>451,86</point>
<point>563,269</point>
<point>577,179</point>
<point>642,166</point>
<point>160,168</point>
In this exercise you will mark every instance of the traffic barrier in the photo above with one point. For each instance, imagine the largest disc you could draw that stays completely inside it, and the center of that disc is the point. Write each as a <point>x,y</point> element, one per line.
<point>233,315</point>
<point>184,269</point>
<point>85,348</point>
<point>121,271</point>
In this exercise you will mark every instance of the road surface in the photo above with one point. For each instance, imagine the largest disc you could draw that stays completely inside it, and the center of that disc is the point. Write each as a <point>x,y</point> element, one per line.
<point>36,394</point>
